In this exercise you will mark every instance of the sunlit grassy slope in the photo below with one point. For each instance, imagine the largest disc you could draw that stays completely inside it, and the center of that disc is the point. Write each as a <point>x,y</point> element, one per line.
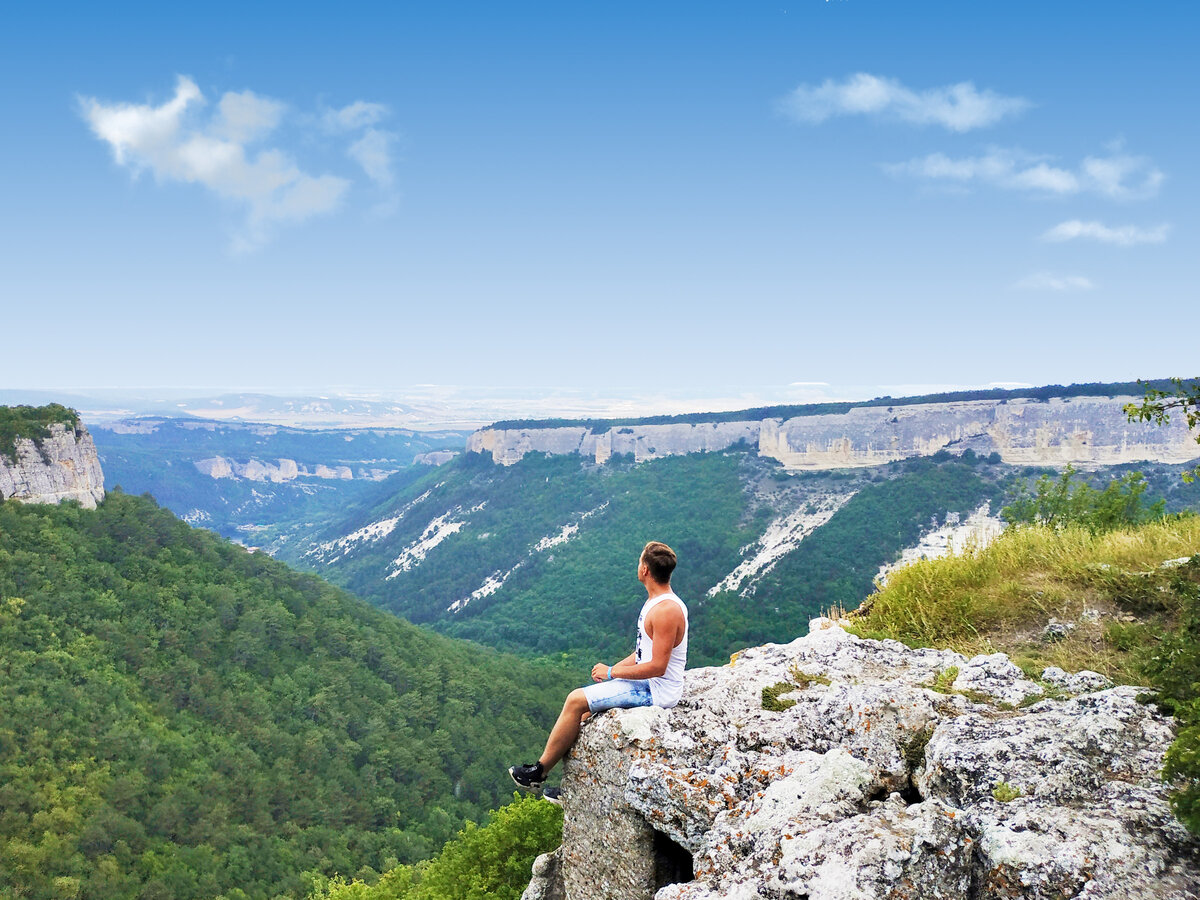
<point>1112,587</point>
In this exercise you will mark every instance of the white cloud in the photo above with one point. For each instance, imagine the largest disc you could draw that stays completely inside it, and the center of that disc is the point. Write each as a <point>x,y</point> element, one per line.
<point>373,148</point>
<point>1119,176</point>
<point>1125,236</point>
<point>1044,281</point>
<point>178,141</point>
<point>245,117</point>
<point>359,114</point>
<point>957,107</point>
<point>373,151</point>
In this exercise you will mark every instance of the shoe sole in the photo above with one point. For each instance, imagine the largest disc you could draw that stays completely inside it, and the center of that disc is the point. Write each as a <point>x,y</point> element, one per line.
<point>532,786</point>
<point>557,801</point>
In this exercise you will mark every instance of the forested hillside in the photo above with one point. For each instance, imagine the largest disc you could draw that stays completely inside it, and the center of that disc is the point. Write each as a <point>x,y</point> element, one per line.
<point>539,557</point>
<point>184,719</point>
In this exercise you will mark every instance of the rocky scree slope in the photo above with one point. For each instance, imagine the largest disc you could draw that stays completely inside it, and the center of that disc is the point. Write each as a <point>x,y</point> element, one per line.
<point>835,767</point>
<point>61,466</point>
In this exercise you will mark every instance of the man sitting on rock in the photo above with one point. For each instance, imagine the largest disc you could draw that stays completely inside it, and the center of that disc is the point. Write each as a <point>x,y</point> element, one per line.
<point>650,676</point>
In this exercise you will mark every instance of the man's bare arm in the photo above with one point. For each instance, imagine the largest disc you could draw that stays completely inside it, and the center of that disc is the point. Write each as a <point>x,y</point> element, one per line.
<point>600,670</point>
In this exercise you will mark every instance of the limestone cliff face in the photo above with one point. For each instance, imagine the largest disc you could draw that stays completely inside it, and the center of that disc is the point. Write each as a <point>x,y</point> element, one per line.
<point>863,783</point>
<point>1085,431</point>
<point>279,472</point>
<point>62,467</point>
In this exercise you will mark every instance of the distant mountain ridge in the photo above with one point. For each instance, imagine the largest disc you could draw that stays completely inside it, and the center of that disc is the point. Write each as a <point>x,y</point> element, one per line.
<point>1082,425</point>
<point>253,481</point>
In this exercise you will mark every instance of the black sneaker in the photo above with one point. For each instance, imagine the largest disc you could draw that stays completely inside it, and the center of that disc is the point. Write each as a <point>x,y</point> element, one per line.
<point>552,795</point>
<point>528,776</point>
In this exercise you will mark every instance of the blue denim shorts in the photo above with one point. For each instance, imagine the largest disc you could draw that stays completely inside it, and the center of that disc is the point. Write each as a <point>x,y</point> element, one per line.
<point>620,693</point>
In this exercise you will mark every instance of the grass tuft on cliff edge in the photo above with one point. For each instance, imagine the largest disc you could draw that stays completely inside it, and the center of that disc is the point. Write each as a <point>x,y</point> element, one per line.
<point>1111,590</point>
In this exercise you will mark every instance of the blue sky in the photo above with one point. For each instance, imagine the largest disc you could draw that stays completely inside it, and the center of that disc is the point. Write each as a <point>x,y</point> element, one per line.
<point>693,197</point>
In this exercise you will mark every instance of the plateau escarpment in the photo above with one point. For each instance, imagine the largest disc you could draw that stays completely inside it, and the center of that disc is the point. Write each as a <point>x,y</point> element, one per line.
<point>1084,431</point>
<point>835,767</point>
<point>62,465</point>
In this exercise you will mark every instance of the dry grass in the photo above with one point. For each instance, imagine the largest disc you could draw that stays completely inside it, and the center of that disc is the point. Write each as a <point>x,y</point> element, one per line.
<point>1003,596</point>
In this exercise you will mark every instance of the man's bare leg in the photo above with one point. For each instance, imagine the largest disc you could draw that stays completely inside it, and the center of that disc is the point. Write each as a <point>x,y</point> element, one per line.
<point>565,730</point>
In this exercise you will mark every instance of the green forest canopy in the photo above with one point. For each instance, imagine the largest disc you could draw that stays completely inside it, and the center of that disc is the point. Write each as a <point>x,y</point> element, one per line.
<point>185,719</point>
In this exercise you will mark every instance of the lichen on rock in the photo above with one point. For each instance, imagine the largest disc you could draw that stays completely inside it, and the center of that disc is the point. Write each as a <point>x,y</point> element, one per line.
<point>872,785</point>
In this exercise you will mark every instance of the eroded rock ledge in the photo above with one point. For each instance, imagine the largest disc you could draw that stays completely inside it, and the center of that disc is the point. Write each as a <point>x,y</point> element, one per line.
<point>63,466</point>
<point>872,784</point>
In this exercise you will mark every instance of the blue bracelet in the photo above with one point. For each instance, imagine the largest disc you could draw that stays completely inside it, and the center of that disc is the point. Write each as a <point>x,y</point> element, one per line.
<point>610,673</point>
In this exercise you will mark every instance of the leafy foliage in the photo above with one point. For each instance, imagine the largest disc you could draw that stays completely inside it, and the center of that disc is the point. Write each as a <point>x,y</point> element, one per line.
<point>1161,400</point>
<point>1068,501</point>
<point>31,422</point>
<point>491,862</point>
<point>184,719</point>
<point>1174,669</point>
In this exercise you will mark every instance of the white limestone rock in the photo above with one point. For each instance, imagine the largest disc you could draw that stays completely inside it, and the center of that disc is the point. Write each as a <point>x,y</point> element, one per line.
<point>996,676</point>
<point>1078,683</point>
<point>64,466</point>
<point>1085,431</point>
<point>871,785</point>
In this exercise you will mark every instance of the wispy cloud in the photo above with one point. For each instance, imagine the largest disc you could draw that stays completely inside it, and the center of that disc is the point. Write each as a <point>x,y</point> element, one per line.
<point>222,150</point>
<point>1124,236</point>
<point>373,149</point>
<point>957,107</point>
<point>1119,176</point>
<point>359,114</point>
<point>1045,281</point>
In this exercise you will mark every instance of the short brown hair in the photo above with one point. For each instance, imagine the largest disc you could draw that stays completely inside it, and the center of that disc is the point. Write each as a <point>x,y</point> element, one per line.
<point>660,560</point>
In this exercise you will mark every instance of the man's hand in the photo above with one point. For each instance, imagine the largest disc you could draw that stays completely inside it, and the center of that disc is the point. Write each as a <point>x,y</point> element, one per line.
<point>600,672</point>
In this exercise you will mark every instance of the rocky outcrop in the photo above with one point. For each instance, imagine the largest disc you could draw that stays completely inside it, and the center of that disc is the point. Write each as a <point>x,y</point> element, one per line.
<point>278,472</point>
<point>851,778</point>
<point>1084,431</point>
<point>62,466</point>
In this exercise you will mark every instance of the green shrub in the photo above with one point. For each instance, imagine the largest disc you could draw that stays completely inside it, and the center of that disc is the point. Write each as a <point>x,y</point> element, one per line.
<point>32,422</point>
<point>1174,669</point>
<point>492,862</point>
<point>1067,501</point>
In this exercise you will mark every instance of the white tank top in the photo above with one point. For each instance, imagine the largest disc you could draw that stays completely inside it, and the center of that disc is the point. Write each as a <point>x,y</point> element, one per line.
<point>667,689</point>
